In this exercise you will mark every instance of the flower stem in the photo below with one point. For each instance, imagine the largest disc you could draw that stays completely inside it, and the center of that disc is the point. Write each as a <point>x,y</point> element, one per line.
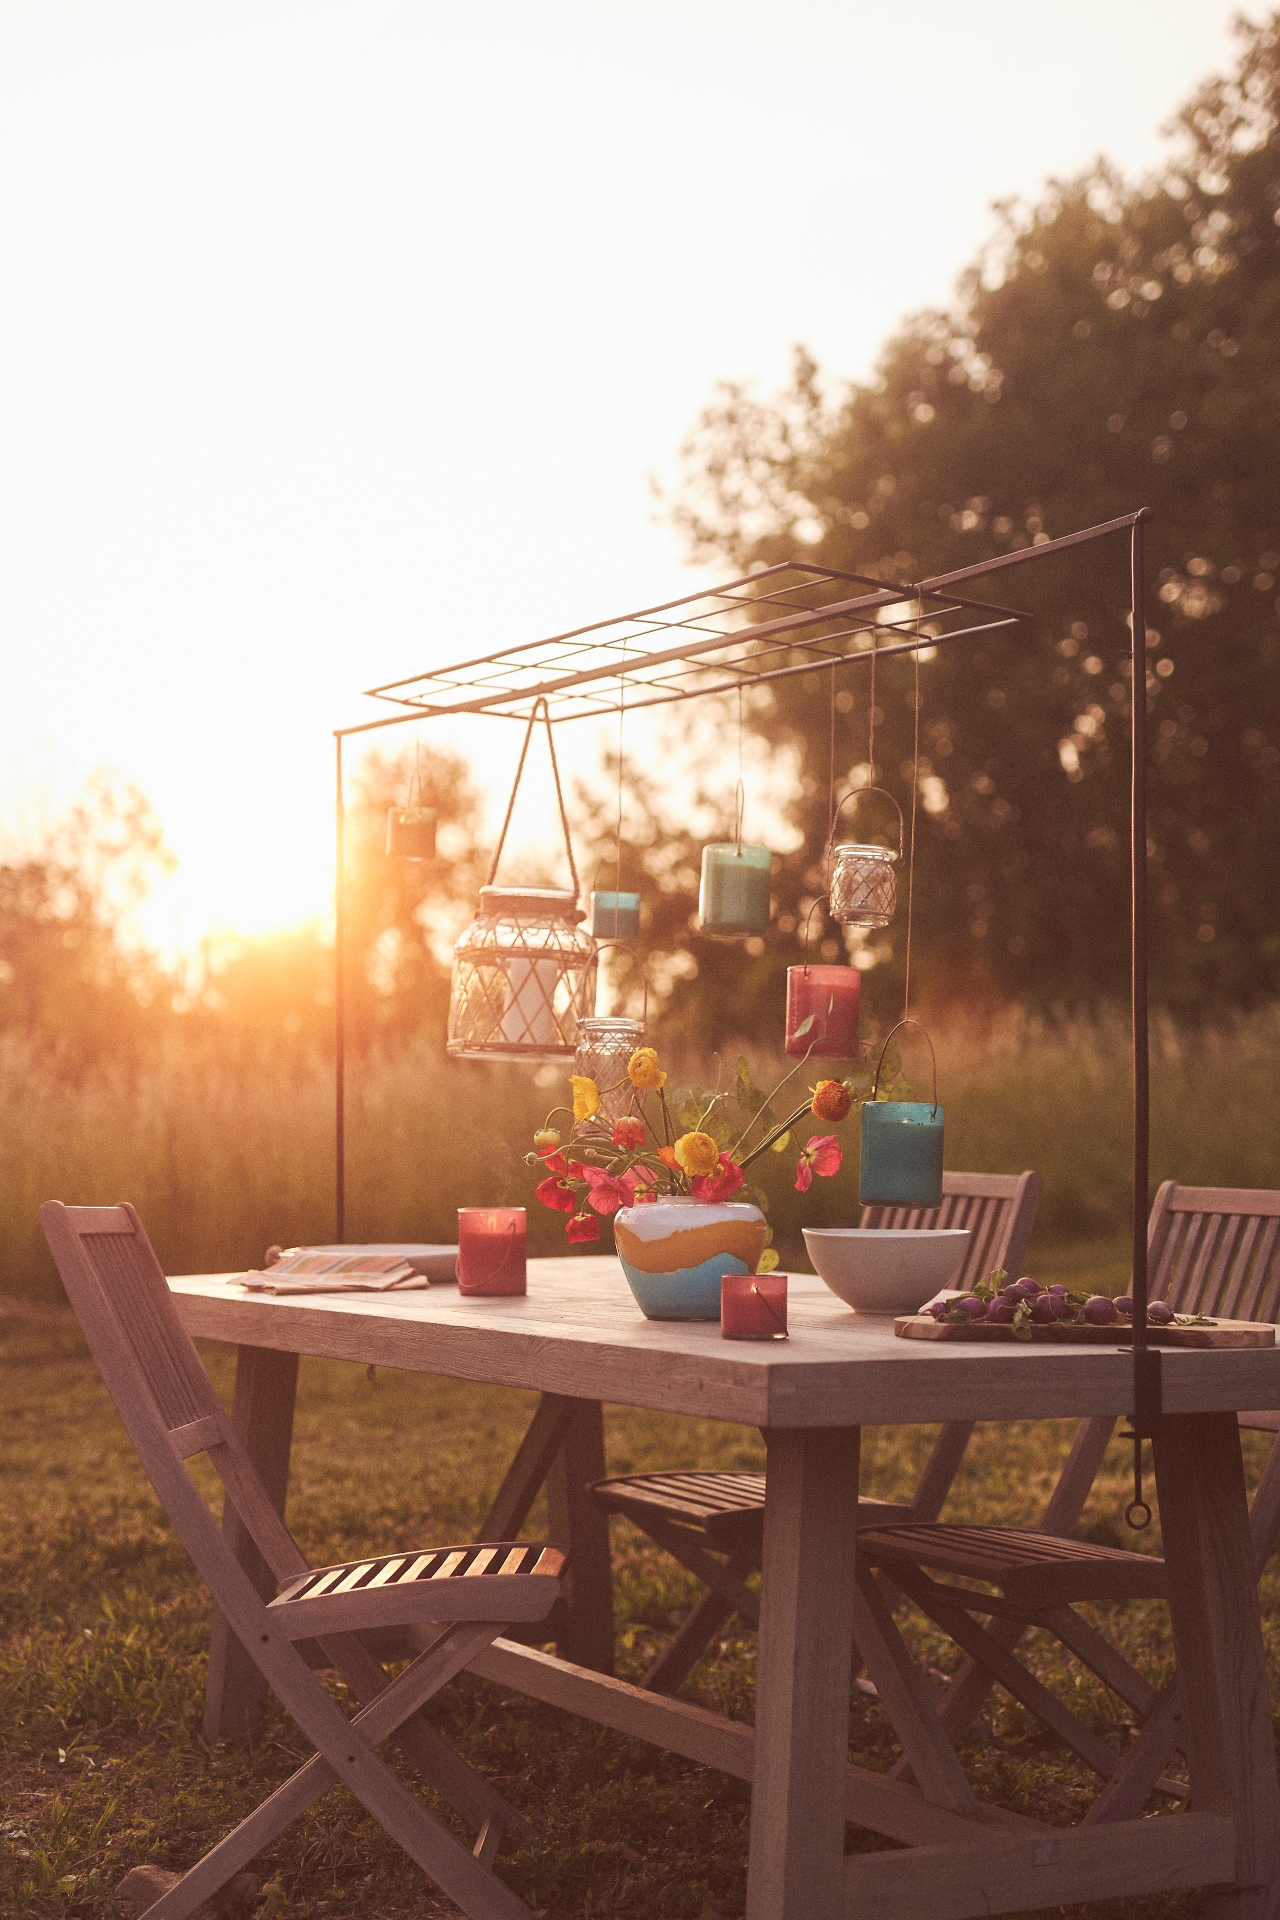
<point>777,1133</point>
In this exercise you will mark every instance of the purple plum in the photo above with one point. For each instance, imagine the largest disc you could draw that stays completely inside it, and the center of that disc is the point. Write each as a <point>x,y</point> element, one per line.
<point>1099,1310</point>
<point>1002,1310</point>
<point>975,1308</point>
<point>1159,1313</point>
<point>1026,1288</point>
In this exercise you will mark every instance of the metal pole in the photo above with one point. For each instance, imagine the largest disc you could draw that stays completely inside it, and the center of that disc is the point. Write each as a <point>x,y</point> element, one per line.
<point>340,1008</point>
<point>1146,1359</point>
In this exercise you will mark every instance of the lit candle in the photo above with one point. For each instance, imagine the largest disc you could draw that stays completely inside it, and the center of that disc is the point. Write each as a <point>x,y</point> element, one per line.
<point>753,1306</point>
<point>734,896</point>
<point>826,998</point>
<point>615,916</point>
<point>491,1250</point>
<point>529,1018</point>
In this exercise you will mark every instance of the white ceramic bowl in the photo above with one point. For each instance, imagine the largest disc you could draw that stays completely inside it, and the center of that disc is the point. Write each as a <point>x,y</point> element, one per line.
<point>887,1269</point>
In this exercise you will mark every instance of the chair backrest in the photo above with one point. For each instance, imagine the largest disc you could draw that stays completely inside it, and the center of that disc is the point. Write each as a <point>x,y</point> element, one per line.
<point>999,1210</point>
<point>1216,1250</point>
<point>158,1382</point>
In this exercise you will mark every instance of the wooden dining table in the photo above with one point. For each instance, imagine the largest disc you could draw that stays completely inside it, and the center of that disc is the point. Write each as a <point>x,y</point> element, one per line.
<point>578,1340</point>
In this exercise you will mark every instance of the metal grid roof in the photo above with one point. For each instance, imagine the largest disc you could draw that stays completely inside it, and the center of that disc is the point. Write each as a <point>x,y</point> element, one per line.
<point>767,625</point>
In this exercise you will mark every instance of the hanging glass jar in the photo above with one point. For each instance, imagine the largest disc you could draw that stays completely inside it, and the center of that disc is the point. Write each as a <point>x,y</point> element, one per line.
<point>606,1043</point>
<point>901,1163</point>
<point>523,976</point>
<point>524,971</point>
<point>864,885</point>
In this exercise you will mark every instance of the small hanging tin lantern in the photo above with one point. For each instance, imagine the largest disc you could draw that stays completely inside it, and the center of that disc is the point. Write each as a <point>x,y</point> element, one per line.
<point>901,1162</point>
<point>411,833</point>
<point>524,971</point>
<point>615,916</point>
<point>864,886</point>
<point>822,1012</point>
<point>734,896</point>
<point>523,975</point>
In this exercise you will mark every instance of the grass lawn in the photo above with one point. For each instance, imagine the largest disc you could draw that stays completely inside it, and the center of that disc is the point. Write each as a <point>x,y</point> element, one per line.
<point>104,1629</point>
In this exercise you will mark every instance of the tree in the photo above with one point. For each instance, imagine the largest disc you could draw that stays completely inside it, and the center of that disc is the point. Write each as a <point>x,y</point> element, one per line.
<point>1115,346</point>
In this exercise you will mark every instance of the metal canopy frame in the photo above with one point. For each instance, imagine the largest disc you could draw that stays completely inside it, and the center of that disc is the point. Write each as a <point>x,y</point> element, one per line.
<point>716,641</point>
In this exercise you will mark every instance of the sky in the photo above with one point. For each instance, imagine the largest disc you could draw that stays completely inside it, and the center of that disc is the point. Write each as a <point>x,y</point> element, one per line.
<point>344,338</point>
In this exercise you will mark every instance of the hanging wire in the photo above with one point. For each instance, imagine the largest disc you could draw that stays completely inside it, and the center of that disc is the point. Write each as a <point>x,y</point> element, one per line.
<point>871,716</point>
<point>617,878</point>
<point>740,796</point>
<point>915,792</point>
<point>831,763</point>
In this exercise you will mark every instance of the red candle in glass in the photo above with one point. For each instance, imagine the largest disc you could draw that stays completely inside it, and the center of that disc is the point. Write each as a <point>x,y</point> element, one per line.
<point>491,1250</point>
<point>753,1306</point>
<point>828,998</point>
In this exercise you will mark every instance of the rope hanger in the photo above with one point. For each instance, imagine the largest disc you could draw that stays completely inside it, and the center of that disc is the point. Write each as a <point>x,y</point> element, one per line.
<point>539,704</point>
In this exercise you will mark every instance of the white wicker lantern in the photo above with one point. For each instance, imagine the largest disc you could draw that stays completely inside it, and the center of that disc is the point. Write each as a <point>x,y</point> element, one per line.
<point>524,973</point>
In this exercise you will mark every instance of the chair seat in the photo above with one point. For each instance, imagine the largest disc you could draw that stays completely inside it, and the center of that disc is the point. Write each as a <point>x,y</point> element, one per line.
<point>727,1507</point>
<point>512,1580</point>
<point>1037,1570</point>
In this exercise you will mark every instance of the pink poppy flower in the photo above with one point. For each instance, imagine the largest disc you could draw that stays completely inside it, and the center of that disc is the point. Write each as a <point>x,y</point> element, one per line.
<point>821,1155</point>
<point>721,1185</point>
<point>609,1191</point>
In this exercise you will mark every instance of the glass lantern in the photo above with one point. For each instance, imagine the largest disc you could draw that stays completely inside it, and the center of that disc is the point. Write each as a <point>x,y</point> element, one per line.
<point>524,972</point>
<point>864,886</point>
<point>604,1047</point>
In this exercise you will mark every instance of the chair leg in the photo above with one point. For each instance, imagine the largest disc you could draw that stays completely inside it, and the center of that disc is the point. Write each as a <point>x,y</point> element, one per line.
<point>908,1700</point>
<point>678,1659</point>
<point>464,1877</point>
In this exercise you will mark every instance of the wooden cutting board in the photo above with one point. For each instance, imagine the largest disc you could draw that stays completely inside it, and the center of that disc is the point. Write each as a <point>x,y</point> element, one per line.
<point>1223,1333</point>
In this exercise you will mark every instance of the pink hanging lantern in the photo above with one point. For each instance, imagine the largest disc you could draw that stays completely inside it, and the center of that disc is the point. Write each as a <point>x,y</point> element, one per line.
<point>822,1012</point>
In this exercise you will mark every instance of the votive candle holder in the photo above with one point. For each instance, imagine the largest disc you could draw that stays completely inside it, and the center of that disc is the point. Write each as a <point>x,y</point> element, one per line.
<point>492,1244</point>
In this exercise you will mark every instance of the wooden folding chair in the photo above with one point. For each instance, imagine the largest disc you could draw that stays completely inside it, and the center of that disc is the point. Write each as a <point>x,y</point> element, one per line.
<point>713,1523</point>
<point>1213,1250</point>
<point>467,1594</point>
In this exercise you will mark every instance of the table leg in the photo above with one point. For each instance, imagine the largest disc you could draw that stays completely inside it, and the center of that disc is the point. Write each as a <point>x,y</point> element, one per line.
<point>262,1415</point>
<point>796,1867</point>
<point>586,1636</point>
<point>1217,1636</point>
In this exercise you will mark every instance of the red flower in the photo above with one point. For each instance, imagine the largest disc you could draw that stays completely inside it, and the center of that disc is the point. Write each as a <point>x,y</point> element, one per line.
<point>609,1191</point>
<point>582,1227</point>
<point>719,1186</point>
<point>557,1194</point>
<point>821,1155</point>
<point>554,1161</point>
<point>667,1155</point>
<point>628,1132</point>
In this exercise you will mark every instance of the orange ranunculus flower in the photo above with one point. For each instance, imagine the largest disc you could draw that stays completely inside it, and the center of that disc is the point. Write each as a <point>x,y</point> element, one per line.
<point>831,1100</point>
<point>546,1139</point>
<point>643,1069</point>
<point>697,1154</point>
<point>628,1132</point>
<point>586,1096</point>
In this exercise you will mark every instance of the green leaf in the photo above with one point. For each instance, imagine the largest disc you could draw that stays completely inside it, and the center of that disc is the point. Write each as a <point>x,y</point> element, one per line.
<point>798,1033</point>
<point>1022,1321</point>
<point>768,1261</point>
<point>781,1144</point>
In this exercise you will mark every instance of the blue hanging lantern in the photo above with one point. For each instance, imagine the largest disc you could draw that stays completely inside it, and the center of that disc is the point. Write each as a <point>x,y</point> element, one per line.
<point>615,916</point>
<point>901,1163</point>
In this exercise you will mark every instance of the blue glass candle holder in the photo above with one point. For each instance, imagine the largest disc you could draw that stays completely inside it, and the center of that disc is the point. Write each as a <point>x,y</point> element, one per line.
<point>615,916</point>
<point>734,895</point>
<point>901,1154</point>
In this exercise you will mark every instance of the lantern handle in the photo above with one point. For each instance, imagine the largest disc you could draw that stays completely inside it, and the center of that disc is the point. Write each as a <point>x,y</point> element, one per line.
<point>875,1084</point>
<point>624,946</point>
<point>808,917</point>
<point>539,703</point>
<point>852,793</point>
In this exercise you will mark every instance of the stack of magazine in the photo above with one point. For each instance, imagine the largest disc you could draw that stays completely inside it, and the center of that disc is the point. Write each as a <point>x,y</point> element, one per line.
<point>373,1269</point>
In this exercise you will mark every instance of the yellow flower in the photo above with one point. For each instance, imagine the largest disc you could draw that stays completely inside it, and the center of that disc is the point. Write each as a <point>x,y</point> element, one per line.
<point>643,1069</point>
<point>586,1096</point>
<point>697,1153</point>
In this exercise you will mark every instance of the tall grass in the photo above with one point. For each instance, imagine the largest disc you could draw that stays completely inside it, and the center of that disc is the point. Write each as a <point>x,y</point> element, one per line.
<point>223,1158</point>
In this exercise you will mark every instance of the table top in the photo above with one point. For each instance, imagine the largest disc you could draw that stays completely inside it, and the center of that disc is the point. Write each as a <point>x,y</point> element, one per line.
<point>578,1331</point>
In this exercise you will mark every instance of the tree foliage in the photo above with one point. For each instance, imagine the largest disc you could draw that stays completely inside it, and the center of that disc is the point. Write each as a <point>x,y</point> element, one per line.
<point>1115,346</point>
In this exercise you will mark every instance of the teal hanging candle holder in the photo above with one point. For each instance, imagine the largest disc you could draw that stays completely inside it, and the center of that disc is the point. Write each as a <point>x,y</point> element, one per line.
<point>901,1163</point>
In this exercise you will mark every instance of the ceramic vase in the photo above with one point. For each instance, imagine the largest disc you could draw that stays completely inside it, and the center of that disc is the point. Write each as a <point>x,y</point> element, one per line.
<point>674,1252</point>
